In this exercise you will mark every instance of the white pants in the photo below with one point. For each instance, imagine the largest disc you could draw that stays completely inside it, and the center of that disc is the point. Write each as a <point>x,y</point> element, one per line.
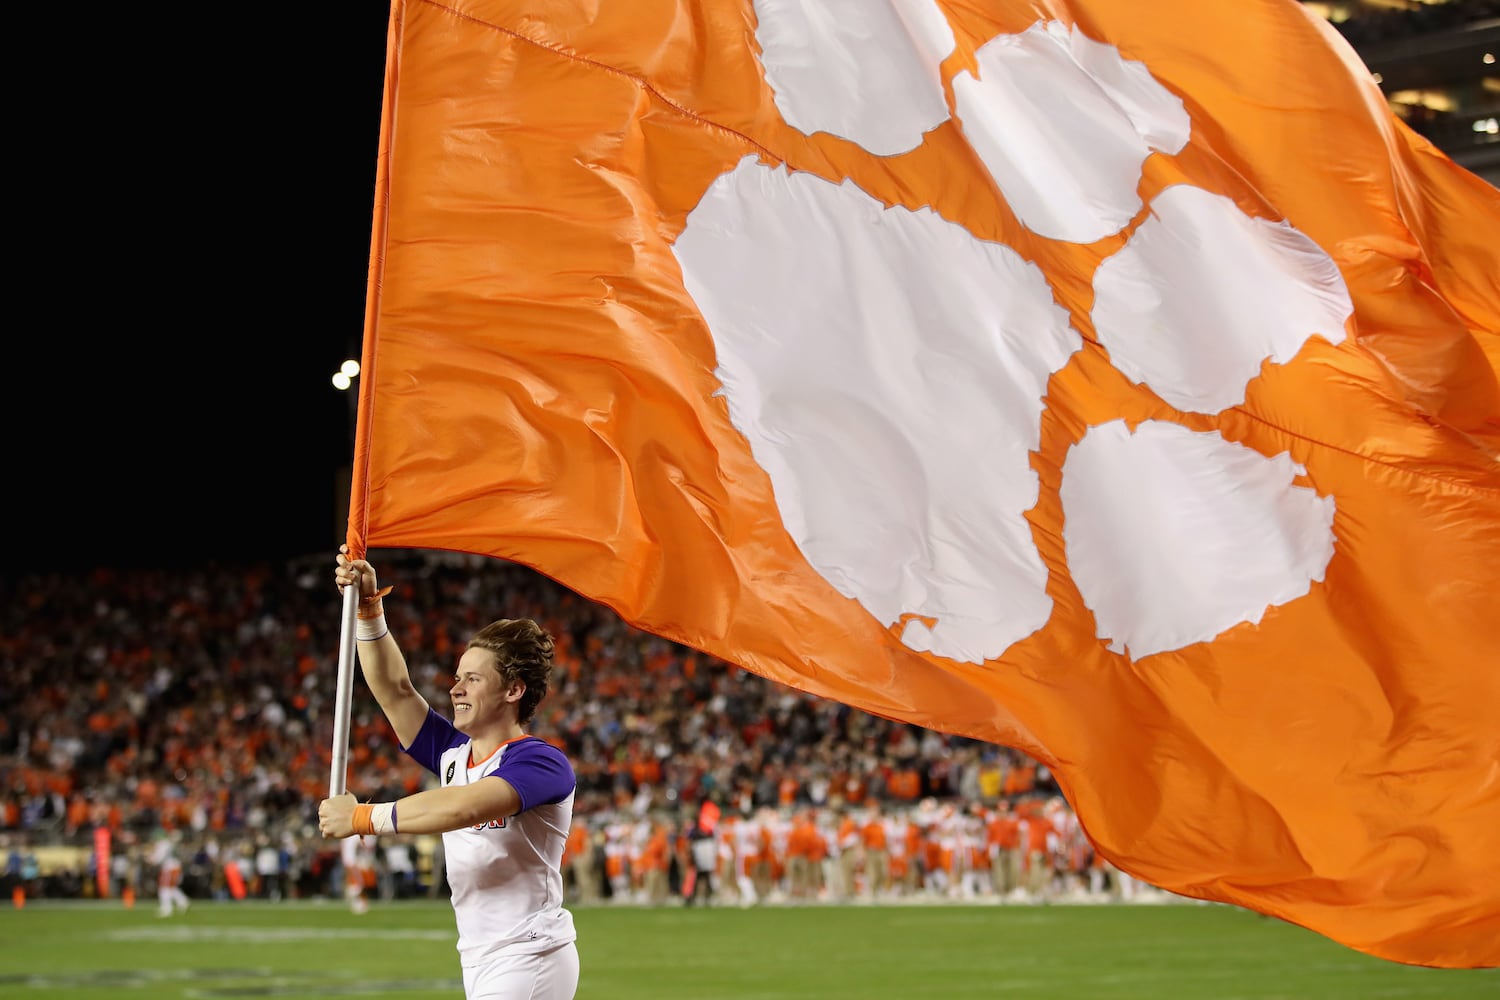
<point>172,898</point>
<point>551,975</point>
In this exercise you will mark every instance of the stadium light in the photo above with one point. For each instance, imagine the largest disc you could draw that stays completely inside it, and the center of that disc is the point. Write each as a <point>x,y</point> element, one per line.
<point>344,377</point>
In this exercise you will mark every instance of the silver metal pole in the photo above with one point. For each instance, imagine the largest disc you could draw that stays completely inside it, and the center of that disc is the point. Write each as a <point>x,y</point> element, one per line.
<point>339,770</point>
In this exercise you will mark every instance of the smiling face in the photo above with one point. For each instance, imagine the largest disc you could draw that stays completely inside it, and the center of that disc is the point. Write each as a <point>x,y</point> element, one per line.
<point>481,698</point>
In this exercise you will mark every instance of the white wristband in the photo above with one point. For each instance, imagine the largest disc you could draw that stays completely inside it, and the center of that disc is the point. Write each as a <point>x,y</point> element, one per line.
<point>383,817</point>
<point>370,629</point>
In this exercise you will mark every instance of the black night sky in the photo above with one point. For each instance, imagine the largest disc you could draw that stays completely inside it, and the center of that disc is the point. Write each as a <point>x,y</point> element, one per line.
<point>199,245</point>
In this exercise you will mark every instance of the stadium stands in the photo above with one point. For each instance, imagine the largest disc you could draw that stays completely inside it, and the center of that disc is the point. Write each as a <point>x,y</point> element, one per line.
<point>196,707</point>
<point>1438,63</point>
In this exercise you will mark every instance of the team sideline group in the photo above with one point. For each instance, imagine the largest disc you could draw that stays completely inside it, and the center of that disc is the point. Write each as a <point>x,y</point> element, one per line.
<point>1028,851</point>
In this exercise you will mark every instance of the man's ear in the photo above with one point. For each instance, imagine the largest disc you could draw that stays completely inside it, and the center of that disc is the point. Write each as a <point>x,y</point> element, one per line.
<point>515,691</point>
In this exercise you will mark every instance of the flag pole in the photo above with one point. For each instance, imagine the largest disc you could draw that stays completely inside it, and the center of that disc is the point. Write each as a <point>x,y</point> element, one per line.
<point>339,768</point>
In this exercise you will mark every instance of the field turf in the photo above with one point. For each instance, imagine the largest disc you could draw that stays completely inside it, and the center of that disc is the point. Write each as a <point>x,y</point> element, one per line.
<point>405,950</point>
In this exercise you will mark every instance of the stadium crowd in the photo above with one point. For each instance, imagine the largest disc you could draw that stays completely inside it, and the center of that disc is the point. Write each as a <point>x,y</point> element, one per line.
<point>190,713</point>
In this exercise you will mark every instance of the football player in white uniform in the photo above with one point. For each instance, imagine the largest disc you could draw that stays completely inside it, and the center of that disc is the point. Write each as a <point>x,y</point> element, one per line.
<point>505,804</point>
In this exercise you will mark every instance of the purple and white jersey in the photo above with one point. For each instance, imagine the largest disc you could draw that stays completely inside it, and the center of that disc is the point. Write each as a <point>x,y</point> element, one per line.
<point>506,874</point>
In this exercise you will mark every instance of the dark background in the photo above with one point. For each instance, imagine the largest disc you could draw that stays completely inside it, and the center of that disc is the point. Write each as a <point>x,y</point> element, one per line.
<point>189,252</point>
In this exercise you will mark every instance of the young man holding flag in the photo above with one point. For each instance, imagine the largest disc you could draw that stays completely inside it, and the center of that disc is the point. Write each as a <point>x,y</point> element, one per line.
<point>504,806</point>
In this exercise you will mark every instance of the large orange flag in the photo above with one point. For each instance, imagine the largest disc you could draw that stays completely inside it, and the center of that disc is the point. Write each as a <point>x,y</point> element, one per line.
<point>1116,383</point>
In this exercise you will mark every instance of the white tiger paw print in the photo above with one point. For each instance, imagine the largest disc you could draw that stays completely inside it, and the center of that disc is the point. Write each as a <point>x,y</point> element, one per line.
<point>890,370</point>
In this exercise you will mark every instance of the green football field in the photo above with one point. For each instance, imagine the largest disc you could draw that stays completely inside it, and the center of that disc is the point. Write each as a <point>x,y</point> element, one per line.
<point>319,949</point>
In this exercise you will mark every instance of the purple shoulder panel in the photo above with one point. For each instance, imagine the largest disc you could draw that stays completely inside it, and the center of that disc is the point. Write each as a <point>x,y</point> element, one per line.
<point>538,771</point>
<point>436,738</point>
